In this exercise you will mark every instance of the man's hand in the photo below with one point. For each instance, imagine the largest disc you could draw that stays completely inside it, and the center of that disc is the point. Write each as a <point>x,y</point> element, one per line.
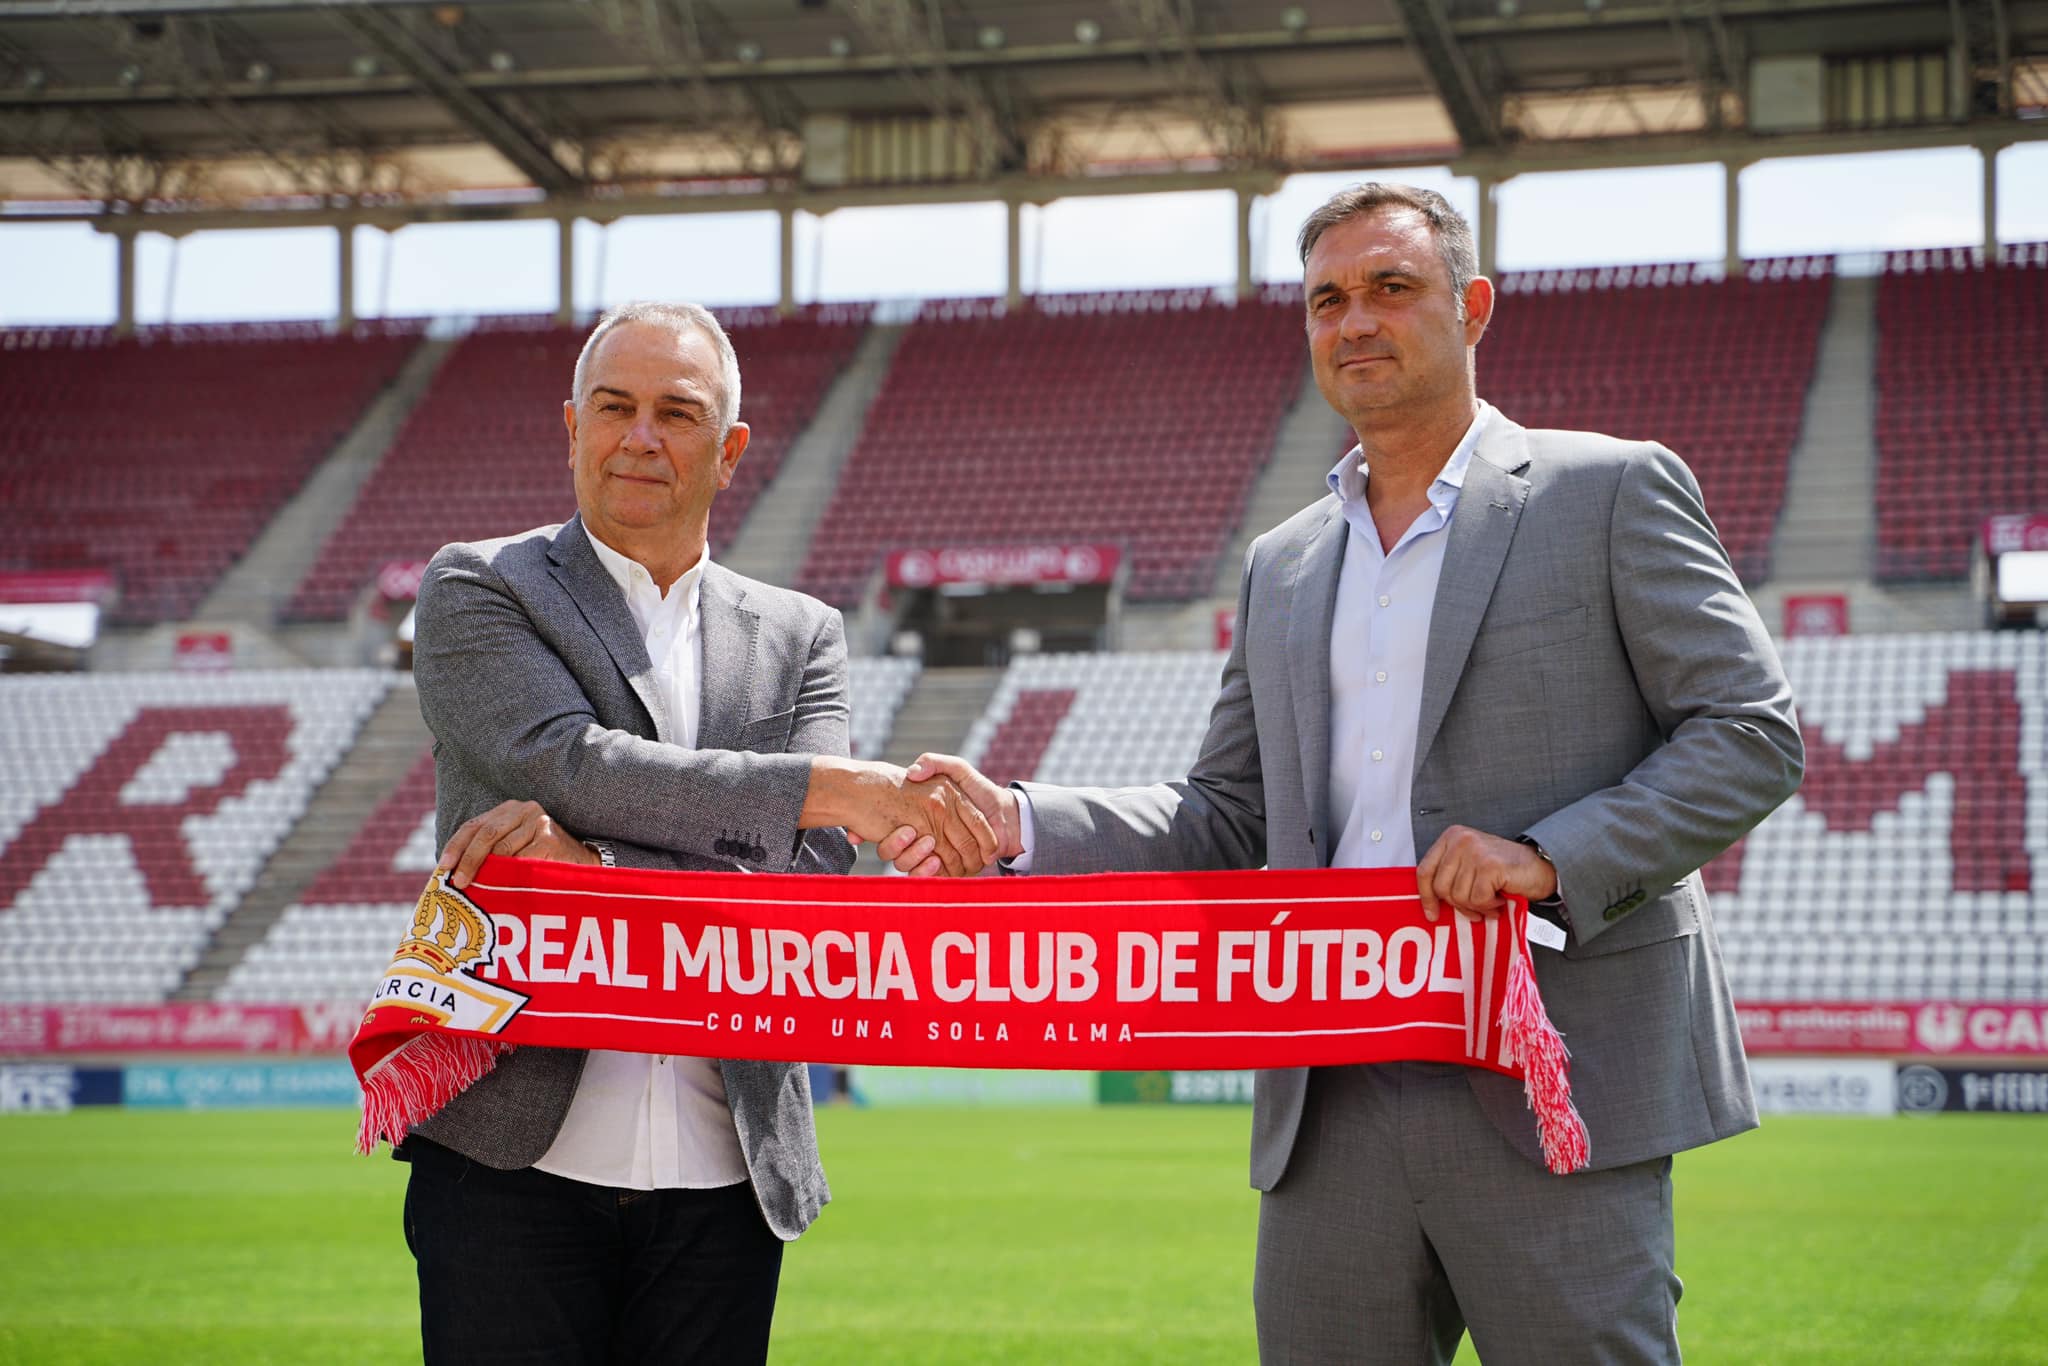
<point>1474,872</point>
<point>876,801</point>
<point>997,804</point>
<point>521,829</point>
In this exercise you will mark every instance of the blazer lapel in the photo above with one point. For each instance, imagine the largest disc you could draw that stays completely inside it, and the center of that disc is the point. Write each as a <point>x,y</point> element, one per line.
<point>596,594</point>
<point>727,632</point>
<point>1313,598</point>
<point>1489,509</point>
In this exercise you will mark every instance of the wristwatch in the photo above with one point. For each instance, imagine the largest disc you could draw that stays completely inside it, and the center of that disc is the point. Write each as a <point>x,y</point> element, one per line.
<point>1552,907</point>
<point>603,850</point>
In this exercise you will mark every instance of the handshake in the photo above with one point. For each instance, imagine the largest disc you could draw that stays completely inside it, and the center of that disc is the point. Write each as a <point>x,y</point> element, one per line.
<point>937,816</point>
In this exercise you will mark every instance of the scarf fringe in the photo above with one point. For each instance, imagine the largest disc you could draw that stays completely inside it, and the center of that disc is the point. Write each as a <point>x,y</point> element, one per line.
<point>413,1081</point>
<point>1546,1067</point>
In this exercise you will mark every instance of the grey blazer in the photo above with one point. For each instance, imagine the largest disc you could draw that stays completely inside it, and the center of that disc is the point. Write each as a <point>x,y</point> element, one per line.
<point>536,685</point>
<point>1596,680</point>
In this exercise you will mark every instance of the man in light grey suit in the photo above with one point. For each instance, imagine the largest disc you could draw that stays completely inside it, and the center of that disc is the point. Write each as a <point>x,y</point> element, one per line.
<point>604,674</point>
<point>1524,655</point>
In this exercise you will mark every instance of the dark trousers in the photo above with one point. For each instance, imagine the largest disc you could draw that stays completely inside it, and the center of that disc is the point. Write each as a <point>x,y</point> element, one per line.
<point>525,1266</point>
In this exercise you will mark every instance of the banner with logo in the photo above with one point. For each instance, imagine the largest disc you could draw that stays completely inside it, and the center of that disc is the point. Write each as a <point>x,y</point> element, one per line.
<point>1174,1088</point>
<point>55,1088</point>
<point>1822,1086</point>
<point>1945,1028</point>
<point>187,1029</point>
<point>239,1085</point>
<point>1121,971</point>
<point>1930,1090</point>
<point>1002,565</point>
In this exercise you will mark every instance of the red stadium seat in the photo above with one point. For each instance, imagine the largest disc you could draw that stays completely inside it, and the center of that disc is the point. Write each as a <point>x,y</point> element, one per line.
<point>161,457</point>
<point>1962,403</point>
<point>1716,370</point>
<point>1135,418</point>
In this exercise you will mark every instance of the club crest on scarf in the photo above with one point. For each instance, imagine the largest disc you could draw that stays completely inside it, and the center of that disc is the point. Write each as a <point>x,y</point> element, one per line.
<point>433,972</point>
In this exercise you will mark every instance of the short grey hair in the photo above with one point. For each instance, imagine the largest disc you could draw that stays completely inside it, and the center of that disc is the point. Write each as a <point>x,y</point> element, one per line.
<point>677,318</point>
<point>1454,240</point>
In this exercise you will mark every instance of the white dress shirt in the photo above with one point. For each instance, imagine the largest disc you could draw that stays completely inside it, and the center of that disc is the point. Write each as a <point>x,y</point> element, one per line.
<point>1379,639</point>
<point>639,1121</point>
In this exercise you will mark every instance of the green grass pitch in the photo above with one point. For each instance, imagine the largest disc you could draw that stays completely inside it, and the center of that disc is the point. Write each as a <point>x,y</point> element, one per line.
<point>997,1235</point>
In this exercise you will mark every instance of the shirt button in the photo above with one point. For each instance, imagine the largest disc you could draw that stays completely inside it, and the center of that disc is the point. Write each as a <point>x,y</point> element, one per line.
<point>1376,837</point>
<point>1380,677</point>
<point>1384,600</point>
<point>1378,755</point>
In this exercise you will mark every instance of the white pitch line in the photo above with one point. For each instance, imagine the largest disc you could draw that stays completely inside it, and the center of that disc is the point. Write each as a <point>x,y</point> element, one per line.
<point>2005,1284</point>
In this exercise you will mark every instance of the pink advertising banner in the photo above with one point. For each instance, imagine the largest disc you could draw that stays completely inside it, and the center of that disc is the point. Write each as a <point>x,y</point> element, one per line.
<point>175,1029</point>
<point>1937,1028</point>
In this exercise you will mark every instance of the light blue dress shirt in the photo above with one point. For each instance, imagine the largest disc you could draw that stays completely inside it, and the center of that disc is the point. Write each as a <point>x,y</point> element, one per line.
<point>1379,639</point>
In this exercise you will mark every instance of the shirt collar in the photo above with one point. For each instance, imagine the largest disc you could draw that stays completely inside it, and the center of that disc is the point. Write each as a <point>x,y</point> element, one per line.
<point>634,580</point>
<point>1347,477</point>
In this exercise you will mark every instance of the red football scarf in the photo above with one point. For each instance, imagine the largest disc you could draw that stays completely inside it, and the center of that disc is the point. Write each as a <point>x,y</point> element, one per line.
<point>1123,971</point>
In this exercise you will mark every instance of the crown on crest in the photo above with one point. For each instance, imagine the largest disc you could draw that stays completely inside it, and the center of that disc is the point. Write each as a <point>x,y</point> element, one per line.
<point>462,937</point>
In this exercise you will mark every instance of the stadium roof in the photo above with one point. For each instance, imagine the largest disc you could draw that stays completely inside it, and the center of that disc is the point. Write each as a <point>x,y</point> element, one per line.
<point>208,112</point>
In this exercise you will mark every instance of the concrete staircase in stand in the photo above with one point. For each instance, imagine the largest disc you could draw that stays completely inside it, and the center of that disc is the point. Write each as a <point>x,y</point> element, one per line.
<point>263,580</point>
<point>386,748</point>
<point>1827,530</point>
<point>777,532</point>
<point>1311,438</point>
<point>1826,540</point>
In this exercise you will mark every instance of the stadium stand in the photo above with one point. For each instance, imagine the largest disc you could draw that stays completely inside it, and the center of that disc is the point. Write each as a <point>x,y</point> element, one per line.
<point>1923,819</point>
<point>1922,824</point>
<point>1101,720</point>
<point>1715,369</point>
<point>1962,403</point>
<point>136,809</point>
<point>876,689</point>
<point>1137,418</point>
<point>162,456</point>
<point>330,944</point>
<point>483,452</point>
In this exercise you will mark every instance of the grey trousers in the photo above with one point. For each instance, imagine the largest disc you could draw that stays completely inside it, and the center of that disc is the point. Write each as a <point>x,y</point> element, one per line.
<point>1405,1219</point>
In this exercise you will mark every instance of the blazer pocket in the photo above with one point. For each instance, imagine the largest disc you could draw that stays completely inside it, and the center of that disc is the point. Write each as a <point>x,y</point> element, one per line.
<point>768,734</point>
<point>1520,637</point>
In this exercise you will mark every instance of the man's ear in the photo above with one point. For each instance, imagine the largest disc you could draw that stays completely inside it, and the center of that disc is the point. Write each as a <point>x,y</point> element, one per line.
<point>569,420</point>
<point>729,453</point>
<point>1479,300</point>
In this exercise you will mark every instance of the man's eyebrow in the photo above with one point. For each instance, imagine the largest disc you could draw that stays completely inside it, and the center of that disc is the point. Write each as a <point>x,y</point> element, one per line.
<point>687,400</point>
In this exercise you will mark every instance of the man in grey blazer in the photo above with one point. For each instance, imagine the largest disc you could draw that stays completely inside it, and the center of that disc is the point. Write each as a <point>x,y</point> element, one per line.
<point>1523,656</point>
<point>600,691</point>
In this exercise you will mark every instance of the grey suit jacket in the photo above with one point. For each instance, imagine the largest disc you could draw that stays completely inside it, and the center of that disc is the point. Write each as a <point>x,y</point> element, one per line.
<point>1595,679</point>
<point>537,686</point>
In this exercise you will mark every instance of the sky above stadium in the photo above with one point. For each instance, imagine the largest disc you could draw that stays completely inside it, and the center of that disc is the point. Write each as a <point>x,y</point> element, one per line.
<point>64,273</point>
